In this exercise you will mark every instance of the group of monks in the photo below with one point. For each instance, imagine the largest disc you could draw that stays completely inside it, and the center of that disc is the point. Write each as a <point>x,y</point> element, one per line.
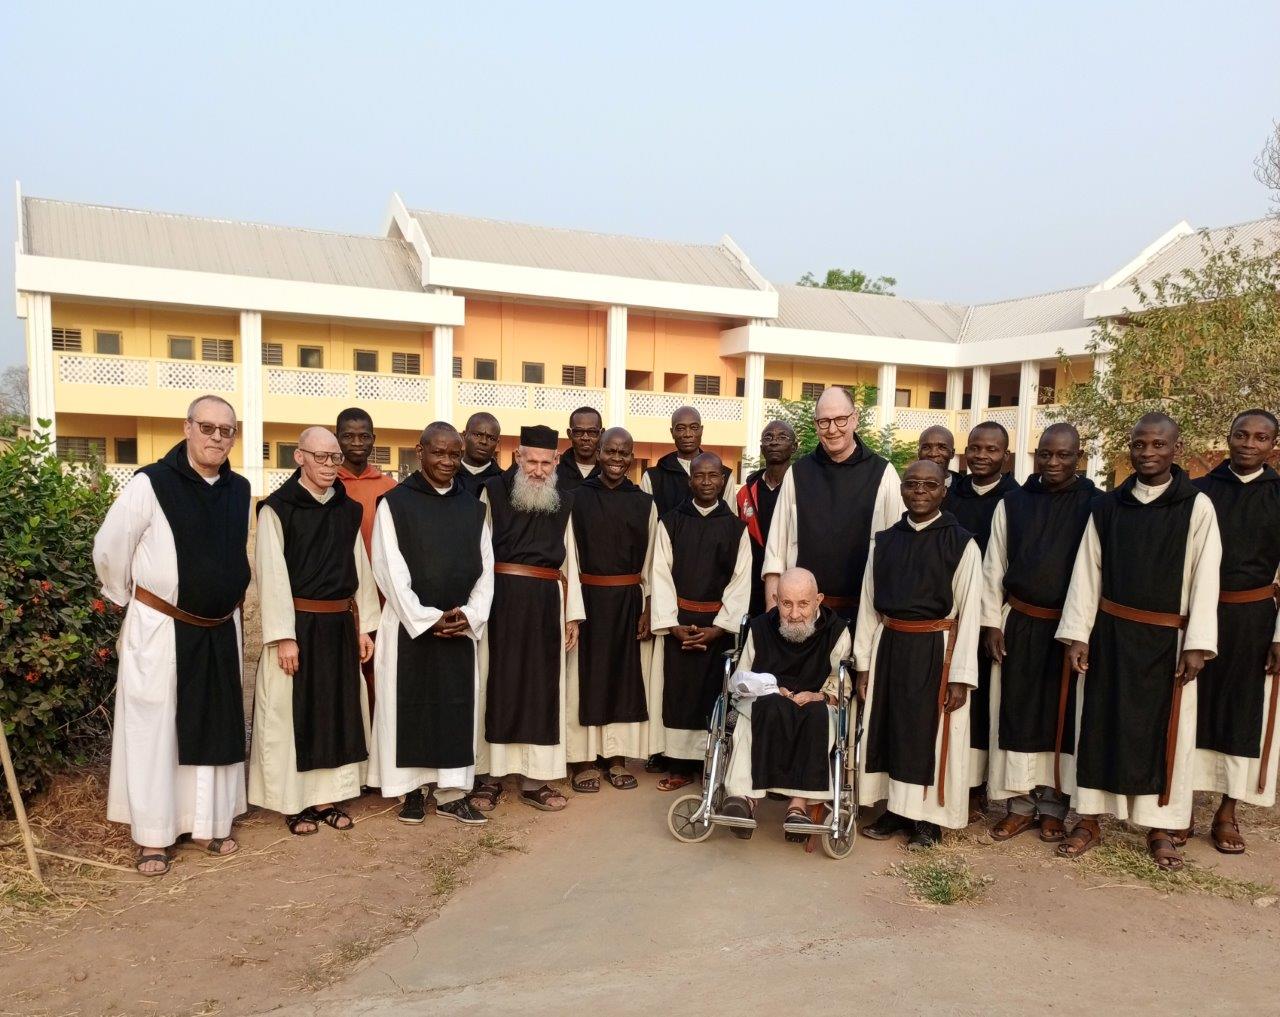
<point>473,632</point>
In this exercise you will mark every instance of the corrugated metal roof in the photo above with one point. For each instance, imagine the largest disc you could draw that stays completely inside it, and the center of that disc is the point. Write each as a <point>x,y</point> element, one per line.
<point>824,310</point>
<point>63,229</point>
<point>1188,252</point>
<point>1044,312</point>
<point>508,243</point>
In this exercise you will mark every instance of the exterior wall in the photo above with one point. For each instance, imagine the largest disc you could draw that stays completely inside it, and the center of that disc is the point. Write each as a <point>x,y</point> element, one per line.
<point>144,331</point>
<point>515,333</point>
<point>340,340</point>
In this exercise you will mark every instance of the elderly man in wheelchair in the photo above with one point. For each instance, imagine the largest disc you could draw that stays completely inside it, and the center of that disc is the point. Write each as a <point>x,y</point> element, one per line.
<point>785,690</point>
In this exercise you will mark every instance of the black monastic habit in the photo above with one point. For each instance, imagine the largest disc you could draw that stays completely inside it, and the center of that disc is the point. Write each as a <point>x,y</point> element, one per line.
<point>670,482</point>
<point>568,476</point>
<point>473,482</point>
<point>757,500</point>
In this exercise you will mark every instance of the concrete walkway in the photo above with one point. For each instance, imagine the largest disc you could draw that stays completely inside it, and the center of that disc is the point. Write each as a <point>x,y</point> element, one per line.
<point>607,914</point>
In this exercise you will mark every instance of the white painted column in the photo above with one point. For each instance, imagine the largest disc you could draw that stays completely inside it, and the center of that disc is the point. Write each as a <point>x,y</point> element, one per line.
<point>616,362</point>
<point>1097,467</point>
<point>753,385</point>
<point>1028,393</point>
<point>39,314</point>
<point>979,396</point>
<point>442,368</point>
<point>252,413</point>
<point>886,395</point>
<point>955,403</point>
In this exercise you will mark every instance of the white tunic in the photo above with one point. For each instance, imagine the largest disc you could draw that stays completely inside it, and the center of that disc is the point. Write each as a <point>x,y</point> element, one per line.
<point>1011,773</point>
<point>149,790</point>
<point>629,740</point>
<point>1199,601</point>
<point>782,550</point>
<point>537,762</point>
<point>914,801</point>
<point>729,497</point>
<point>738,777</point>
<point>403,608</point>
<point>275,781</point>
<point>679,743</point>
<point>1237,776</point>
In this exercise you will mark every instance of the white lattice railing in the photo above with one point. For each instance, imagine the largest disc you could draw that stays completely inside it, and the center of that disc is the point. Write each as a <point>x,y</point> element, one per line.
<point>918,418</point>
<point>395,388</point>
<point>1006,415</point>
<point>663,404</point>
<point>289,381</point>
<point>567,398</point>
<point>195,376</point>
<point>517,396</point>
<point>1043,416</point>
<point>120,472</point>
<point>109,372</point>
<point>962,424</point>
<point>276,477</point>
<point>772,409</point>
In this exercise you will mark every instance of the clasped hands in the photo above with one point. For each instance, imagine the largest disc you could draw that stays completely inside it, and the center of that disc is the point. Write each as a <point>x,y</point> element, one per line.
<point>696,638</point>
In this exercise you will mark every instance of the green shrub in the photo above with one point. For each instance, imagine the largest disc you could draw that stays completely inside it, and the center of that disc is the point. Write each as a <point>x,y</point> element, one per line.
<point>57,632</point>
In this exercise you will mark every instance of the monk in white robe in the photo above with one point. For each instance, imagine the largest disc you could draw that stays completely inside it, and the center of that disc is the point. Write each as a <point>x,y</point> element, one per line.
<point>317,603</point>
<point>173,550</point>
<point>916,654</point>
<point>1140,620</point>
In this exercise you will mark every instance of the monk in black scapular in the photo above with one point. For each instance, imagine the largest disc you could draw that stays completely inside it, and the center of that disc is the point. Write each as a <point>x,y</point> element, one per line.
<point>1139,621</point>
<point>480,440</point>
<point>1035,534</point>
<point>758,497</point>
<point>938,445</point>
<point>1236,752</point>
<point>668,481</point>
<point>579,461</point>
<point>972,500</point>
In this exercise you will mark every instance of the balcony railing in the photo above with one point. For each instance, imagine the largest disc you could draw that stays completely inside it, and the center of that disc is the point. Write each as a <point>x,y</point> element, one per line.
<point>516,396</point>
<point>348,385</point>
<point>138,372</point>
<point>662,404</point>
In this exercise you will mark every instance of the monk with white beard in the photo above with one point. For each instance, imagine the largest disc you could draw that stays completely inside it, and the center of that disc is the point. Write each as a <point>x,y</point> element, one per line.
<point>537,605</point>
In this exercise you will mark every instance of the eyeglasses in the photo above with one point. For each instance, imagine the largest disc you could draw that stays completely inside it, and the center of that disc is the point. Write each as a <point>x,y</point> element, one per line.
<point>827,423</point>
<point>321,458</point>
<point>921,485</point>
<point>207,429</point>
<point>584,432</point>
<point>776,438</point>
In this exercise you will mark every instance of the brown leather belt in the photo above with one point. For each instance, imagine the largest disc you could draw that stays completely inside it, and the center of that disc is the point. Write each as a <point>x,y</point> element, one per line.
<point>1033,610</point>
<point>631,579</point>
<point>509,568</point>
<point>1248,596</point>
<point>947,625</point>
<point>837,603</point>
<point>699,606</point>
<point>329,607</point>
<point>144,596</point>
<point>1169,621</point>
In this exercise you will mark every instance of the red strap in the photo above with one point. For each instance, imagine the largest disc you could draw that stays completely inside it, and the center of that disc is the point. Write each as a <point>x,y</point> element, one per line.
<point>749,510</point>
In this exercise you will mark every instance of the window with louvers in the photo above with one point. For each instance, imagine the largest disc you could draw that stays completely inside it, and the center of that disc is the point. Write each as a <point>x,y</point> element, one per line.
<point>457,367</point>
<point>273,354</point>
<point>406,363</point>
<point>706,384</point>
<point>222,350</point>
<point>573,374</point>
<point>82,449</point>
<point>811,389</point>
<point>67,340</point>
<point>381,455</point>
<point>266,451</point>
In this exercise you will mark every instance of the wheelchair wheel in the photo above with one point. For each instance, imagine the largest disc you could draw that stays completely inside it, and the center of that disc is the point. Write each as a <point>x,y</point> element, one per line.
<point>842,847</point>
<point>680,820</point>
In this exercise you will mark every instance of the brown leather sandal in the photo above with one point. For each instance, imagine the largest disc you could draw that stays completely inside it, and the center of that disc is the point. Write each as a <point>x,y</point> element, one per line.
<point>1163,851</point>
<point>1052,830</point>
<point>541,799</point>
<point>1012,825</point>
<point>620,779</point>
<point>1180,837</point>
<point>1085,837</point>
<point>1227,847</point>
<point>486,796</point>
<point>586,781</point>
<point>674,782</point>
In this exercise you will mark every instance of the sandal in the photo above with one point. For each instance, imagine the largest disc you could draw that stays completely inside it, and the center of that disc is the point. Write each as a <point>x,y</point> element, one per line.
<point>541,799</point>
<point>674,782</point>
<point>333,816</point>
<point>1085,837</point>
<point>583,784</point>
<point>213,846</point>
<point>305,816</point>
<point>1012,825</point>
<point>795,815</point>
<point>1163,851</point>
<point>1180,837</point>
<point>620,779</point>
<point>152,856</point>
<point>1052,829</point>
<point>486,796</point>
<point>1227,847</point>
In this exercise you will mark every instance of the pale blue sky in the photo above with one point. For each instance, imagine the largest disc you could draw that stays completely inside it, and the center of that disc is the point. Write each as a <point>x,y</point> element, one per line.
<point>975,151</point>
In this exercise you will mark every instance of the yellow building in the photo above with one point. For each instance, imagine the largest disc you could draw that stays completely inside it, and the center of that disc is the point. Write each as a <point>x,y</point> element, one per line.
<point>131,314</point>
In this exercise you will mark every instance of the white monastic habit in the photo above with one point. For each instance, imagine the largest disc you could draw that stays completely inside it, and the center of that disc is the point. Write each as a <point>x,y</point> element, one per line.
<point>679,743</point>
<point>275,782</point>
<point>729,497</point>
<point>403,607</point>
<point>738,780</point>
<point>536,762</point>
<point>149,790</point>
<point>914,801</point>
<point>1199,603</point>
<point>631,741</point>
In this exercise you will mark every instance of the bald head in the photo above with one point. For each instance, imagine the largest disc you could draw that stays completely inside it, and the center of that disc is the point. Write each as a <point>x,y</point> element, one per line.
<point>798,604</point>
<point>318,439</point>
<point>937,444</point>
<point>318,474</point>
<point>924,468</point>
<point>1160,421</point>
<point>706,479</point>
<point>833,401</point>
<point>438,427</point>
<point>686,431</point>
<point>616,434</point>
<point>1062,430</point>
<point>797,581</point>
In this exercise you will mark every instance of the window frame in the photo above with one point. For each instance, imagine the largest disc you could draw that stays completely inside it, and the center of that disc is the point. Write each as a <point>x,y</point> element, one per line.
<point>181,339</point>
<point>220,346</point>
<point>99,333</point>
<point>408,360</point>
<point>541,372</point>
<point>355,361</point>
<point>489,365</point>
<point>705,385</point>
<point>318,351</point>
<point>67,340</point>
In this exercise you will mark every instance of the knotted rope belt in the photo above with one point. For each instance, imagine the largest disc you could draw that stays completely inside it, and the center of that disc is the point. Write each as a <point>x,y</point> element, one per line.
<point>947,625</point>
<point>1064,684</point>
<point>1256,596</point>
<point>1167,620</point>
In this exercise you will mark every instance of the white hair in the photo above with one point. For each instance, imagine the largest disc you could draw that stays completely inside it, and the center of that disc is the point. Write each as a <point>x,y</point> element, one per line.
<point>529,495</point>
<point>210,398</point>
<point>797,632</point>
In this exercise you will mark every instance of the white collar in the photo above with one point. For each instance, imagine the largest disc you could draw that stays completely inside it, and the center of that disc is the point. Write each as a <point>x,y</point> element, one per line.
<point>920,526</point>
<point>984,488</point>
<point>706,511</point>
<point>474,470</point>
<point>1246,478</point>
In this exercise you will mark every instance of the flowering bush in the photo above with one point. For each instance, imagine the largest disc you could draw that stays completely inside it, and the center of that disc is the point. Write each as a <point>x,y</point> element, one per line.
<point>57,635</point>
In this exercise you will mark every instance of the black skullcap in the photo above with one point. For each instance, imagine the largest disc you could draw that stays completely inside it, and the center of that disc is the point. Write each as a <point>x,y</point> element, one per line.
<point>539,436</point>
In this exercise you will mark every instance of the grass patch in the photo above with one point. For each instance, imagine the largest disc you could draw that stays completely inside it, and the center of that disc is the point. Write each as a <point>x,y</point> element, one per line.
<point>1121,858</point>
<point>942,879</point>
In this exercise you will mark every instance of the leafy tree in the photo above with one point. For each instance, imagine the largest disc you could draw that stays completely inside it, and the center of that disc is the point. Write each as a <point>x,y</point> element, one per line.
<point>13,400</point>
<point>852,280</point>
<point>1200,346</point>
<point>884,441</point>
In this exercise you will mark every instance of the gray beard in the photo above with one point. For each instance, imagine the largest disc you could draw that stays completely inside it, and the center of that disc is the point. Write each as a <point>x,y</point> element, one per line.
<point>538,496</point>
<point>796,632</point>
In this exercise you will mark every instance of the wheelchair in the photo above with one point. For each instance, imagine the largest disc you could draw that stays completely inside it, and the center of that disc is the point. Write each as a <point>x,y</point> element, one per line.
<point>692,818</point>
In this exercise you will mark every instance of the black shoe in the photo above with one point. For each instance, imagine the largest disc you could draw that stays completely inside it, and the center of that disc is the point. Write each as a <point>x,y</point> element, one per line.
<point>462,811</point>
<point>886,826</point>
<point>924,835</point>
<point>739,808</point>
<point>414,809</point>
